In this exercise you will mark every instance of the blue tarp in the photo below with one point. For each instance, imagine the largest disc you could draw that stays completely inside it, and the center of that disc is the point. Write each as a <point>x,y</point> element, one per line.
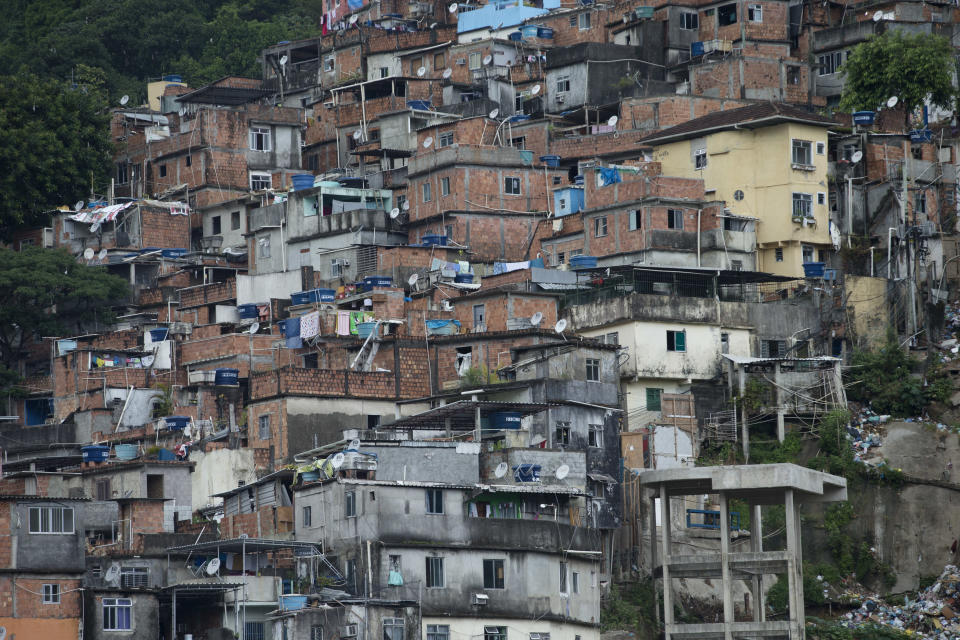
<point>609,176</point>
<point>291,329</point>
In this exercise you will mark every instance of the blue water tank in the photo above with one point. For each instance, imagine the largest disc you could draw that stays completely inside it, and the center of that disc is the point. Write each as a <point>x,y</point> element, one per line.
<point>225,376</point>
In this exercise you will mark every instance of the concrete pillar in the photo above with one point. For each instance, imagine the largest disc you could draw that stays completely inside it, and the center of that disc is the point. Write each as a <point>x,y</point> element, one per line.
<point>728,615</point>
<point>794,583</point>
<point>653,541</point>
<point>756,545</point>
<point>781,428</point>
<point>665,562</point>
<point>173,616</point>
<point>742,374</point>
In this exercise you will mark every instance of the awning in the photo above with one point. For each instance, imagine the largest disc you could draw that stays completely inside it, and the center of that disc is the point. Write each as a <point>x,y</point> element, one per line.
<point>101,215</point>
<point>601,477</point>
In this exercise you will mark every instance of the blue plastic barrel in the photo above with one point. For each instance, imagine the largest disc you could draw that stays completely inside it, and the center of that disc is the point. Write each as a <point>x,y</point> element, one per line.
<point>364,329</point>
<point>420,105</point>
<point>583,262</point>
<point>226,376</point>
<point>302,181</point>
<point>177,423</point>
<point>863,117</point>
<point>126,451</point>
<point>551,160</point>
<point>95,453</point>
<point>814,269</point>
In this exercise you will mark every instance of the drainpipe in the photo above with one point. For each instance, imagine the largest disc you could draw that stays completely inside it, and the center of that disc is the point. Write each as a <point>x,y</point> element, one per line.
<point>699,212</point>
<point>889,245</point>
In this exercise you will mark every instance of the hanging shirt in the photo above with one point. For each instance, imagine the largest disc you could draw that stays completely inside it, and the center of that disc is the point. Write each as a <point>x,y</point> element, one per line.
<point>310,324</point>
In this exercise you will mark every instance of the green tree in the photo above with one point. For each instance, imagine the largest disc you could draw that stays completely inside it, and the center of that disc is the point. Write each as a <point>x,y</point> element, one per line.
<point>54,146</point>
<point>913,67</point>
<point>47,292</point>
<point>884,379</point>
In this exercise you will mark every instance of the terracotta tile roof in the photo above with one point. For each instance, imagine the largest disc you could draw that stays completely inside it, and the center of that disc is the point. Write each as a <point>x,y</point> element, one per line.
<point>754,115</point>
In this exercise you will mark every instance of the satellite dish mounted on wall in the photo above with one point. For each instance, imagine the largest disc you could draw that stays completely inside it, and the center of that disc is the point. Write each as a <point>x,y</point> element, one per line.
<point>354,444</point>
<point>892,101</point>
<point>501,469</point>
<point>3,633</point>
<point>283,61</point>
<point>562,472</point>
<point>535,89</point>
<point>612,121</point>
<point>78,205</point>
<point>856,157</point>
<point>88,254</point>
<point>412,280</point>
<point>493,114</point>
<point>124,100</point>
<point>878,16</point>
<point>112,576</point>
<point>559,327</point>
<point>337,460</point>
<point>357,134</point>
<point>406,205</point>
<point>427,142</point>
<point>353,19</point>
<point>213,566</point>
<point>394,213</point>
<point>487,59</point>
<point>447,73</point>
<point>254,328</point>
<point>453,7</point>
<point>536,318</point>
<point>422,71</point>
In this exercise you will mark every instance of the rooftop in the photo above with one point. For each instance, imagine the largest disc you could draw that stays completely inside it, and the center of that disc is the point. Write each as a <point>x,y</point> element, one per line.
<point>751,117</point>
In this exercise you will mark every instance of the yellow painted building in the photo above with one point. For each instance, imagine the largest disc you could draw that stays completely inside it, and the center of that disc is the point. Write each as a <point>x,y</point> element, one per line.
<point>767,161</point>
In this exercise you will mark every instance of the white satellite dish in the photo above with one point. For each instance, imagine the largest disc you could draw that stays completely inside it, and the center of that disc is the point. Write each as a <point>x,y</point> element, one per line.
<point>213,566</point>
<point>412,280</point>
<point>612,121</point>
<point>428,142</point>
<point>501,469</point>
<point>254,328</point>
<point>357,134</point>
<point>3,633</point>
<point>354,444</point>
<point>433,25</point>
<point>493,114</point>
<point>536,318</point>
<point>878,16</point>
<point>78,205</point>
<point>535,89</point>
<point>88,254</point>
<point>856,157</point>
<point>112,576</point>
<point>892,101</point>
<point>95,227</point>
<point>453,8</point>
<point>102,254</point>
<point>560,326</point>
<point>487,59</point>
<point>283,60</point>
<point>337,460</point>
<point>562,472</point>
<point>147,361</point>
<point>124,100</point>
<point>394,213</point>
<point>422,71</point>
<point>447,73</point>
<point>406,205</point>
<point>353,19</point>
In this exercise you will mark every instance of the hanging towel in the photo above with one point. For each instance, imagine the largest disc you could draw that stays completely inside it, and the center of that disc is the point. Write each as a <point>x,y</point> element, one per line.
<point>343,323</point>
<point>292,332</point>
<point>310,325</point>
<point>395,579</point>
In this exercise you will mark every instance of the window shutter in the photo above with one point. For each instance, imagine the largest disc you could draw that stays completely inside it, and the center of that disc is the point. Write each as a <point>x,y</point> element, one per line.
<point>681,340</point>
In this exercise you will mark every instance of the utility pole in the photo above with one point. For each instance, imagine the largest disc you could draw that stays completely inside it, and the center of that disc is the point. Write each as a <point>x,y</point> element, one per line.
<point>911,271</point>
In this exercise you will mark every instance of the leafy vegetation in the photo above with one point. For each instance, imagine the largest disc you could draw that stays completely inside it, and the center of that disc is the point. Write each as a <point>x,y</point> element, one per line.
<point>631,607</point>
<point>884,379</point>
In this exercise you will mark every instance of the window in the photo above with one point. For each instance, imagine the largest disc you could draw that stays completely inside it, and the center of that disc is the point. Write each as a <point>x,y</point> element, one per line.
<point>519,143</point>
<point>316,632</point>
<point>445,139</point>
<point>676,340</point>
<point>584,21</point>
<point>51,520</point>
<point>600,227</point>
<point>829,63</point>
<point>634,219</point>
<point>426,191</point>
<point>821,197</point>
<point>700,159</point>
<point>444,186</point>
<point>264,244</point>
<point>724,343</point>
<point>438,61</point>
<point>494,633</point>
<point>573,21</point>
<point>575,581</point>
<point>821,148</point>
<point>435,573</point>
<point>350,504</point>
<point>675,219</point>
<point>235,221</point>
<point>350,572</point>
<point>802,152</point>
<point>920,202</point>
<point>103,489</point>
<point>802,205</point>
<point>727,14</point>
<point>778,254</point>
<point>793,75</point>
<point>511,186</point>
<point>255,630</point>
<point>393,629</point>
<point>260,139</point>
<point>593,370</point>
<point>479,317</point>
<point>163,171</point>
<point>595,435</point>
<point>653,399</point>
<point>434,498</point>
<point>215,227</point>
<point>689,21</point>
<point>755,13</point>
<point>260,181</point>
<point>189,161</point>
<point>123,174</point>
<point>415,63</point>
<point>307,516</point>
<point>562,434</point>
<point>612,338</point>
<point>773,348</point>
<point>438,632</point>
<point>475,58</point>
<point>263,423</point>
<point>561,257</point>
<point>131,577</point>
<point>384,72</point>
<point>806,251</point>
<point>328,63</point>
<point>736,265</point>
<point>563,84</point>
<point>563,577</point>
<point>117,614</point>
<point>51,594</point>
<point>493,574</point>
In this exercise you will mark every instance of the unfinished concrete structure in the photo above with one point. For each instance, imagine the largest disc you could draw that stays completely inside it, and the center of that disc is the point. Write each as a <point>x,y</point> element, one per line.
<point>758,485</point>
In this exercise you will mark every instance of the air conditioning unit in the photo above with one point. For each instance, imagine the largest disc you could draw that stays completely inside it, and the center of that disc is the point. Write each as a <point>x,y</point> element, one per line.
<point>561,98</point>
<point>348,631</point>
<point>480,599</point>
<point>461,62</point>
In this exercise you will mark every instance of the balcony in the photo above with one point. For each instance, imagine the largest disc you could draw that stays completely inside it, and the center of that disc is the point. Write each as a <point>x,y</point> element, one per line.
<point>260,589</point>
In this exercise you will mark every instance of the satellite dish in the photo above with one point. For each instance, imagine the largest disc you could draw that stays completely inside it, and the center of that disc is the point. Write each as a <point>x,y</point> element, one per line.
<point>353,19</point>
<point>501,470</point>
<point>213,566</point>
<point>857,156</point>
<point>412,280</point>
<point>892,101</point>
<point>433,25</point>
<point>406,205</point>
<point>357,134</point>
<point>394,213</point>
<point>337,460</point>
<point>88,254</point>
<point>3,633</point>
<point>878,16</point>
<point>487,59</point>
<point>113,574</point>
<point>493,114</point>
<point>428,142</point>
<point>78,205</point>
<point>147,361</point>
<point>535,89</point>
<point>447,73</point>
<point>254,328</point>
<point>612,121</point>
<point>560,326</point>
<point>95,227</point>
<point>124,100</point>
<point>562,472</point>
<point>453,8</point>
<point>283,60</point>
<point>536,318</point>
<point>422,71</point>
<point>354,444</point>
<point>102,254</point>
<point>183,110</point>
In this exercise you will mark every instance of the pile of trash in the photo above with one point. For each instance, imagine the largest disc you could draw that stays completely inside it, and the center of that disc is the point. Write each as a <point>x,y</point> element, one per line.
<point>933,614</point>
<point>864,433</point>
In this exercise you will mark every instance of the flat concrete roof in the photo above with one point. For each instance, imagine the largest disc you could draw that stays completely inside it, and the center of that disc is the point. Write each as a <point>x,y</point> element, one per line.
<point>756,483</point>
